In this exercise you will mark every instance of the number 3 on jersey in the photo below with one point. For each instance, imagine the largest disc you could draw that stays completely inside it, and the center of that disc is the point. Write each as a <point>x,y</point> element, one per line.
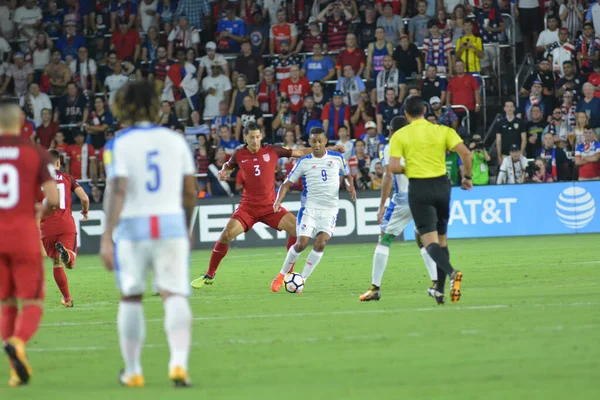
<point>257,170</point>
<point>153,183</point>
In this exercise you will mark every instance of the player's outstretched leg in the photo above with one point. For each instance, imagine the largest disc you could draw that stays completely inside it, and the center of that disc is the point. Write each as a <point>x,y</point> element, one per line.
<point>233,229</point>
<point>315,255</point>
<point>440,254</point>
<point>380,259</point>
<point>429,263</point>
<point>132,332</point>
<point>291,242</point>
<point>63,284</point>
<point>178,326</point>
<point>67,256</point>
<point>292,255</point>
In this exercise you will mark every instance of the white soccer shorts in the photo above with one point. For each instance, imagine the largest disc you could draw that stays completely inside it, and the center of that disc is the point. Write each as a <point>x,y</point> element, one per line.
<point>396,218</point>
<point>310,222</point>
<point>168,259</point>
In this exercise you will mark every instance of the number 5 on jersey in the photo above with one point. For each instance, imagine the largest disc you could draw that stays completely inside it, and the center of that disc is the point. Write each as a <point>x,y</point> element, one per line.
<point>153,183</point>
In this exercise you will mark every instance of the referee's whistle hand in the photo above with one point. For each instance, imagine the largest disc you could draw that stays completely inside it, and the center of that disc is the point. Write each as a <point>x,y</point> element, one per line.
<point>467,184</point>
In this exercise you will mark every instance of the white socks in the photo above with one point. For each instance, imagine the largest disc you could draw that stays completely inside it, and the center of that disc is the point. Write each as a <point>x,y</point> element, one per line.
<point>311,263</point>
<point>132,332</point>
<point>430,264</point>
<point>290,260</point>
<point>380,259</point>
<point>178,326</point>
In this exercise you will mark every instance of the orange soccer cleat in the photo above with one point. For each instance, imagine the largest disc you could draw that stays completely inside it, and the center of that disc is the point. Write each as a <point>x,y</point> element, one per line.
<point>132,381</point>
<point>15,350</point>
<point>179,377</point>
<point>277,282</point>
<point>455,292</point>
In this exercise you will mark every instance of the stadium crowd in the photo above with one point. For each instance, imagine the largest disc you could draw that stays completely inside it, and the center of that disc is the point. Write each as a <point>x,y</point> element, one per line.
<point>345,65</point>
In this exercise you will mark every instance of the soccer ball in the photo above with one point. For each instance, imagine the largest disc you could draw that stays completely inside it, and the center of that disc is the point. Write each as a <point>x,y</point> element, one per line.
<point>294,283</point>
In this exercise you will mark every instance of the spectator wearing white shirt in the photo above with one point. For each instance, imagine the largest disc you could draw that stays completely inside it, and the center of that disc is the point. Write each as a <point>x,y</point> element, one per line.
<point>27,19</point>
<point>84,70</point>
<point>5,50</point>
<point>345,141</point>
<point>351,86</point>
<point>39,50</point>
<point>183,36</point>
<point>548,36</point>
<point>147,13</point>
<point>114,82</point>
<point>217,88</point>
<point>7,11</point>
<point>35,101</point>
<point>211,58</point>
<point>593,15</point>
<point>513,168</point>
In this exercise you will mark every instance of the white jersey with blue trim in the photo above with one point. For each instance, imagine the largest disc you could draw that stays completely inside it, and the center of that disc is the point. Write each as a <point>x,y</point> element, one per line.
<point>400,195</point>
<point>321,179</point>
<point>154,160</point>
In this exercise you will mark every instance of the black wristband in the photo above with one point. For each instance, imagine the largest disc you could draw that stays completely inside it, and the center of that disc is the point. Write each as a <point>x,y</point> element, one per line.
<point>467,177</point>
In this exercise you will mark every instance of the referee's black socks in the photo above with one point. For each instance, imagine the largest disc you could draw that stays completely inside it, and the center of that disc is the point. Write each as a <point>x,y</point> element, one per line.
<point>441,256</point>
<point>441,281</point>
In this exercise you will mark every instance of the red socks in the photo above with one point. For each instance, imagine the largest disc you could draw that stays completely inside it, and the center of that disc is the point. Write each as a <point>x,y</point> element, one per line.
<point>61,281</point>
<point>218,253</point>
<point>7,321</point>
<point>72,258</point>
<point>291,241</point>
<point>28,322</point>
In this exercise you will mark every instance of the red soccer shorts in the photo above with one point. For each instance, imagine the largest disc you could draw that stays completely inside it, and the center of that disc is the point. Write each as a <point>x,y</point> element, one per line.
<point>248,217</point>
<point>21,275</point>
<point>69,240</point>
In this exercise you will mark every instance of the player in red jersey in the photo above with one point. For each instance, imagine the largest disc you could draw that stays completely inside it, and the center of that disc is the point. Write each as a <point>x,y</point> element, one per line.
<point>24,167</point>
<point>258,163</point>
<point>59,234</point>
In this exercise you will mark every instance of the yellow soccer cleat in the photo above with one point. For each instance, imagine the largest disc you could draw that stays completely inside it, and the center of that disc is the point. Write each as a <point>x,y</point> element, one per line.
<point>15,350</point>
<point>14,380</point>
<point>67,303</point>
<point>202,281</point>
<point>373,294</point>
<point>179,377</point>
<point>455,292</point>
<point>132,381</point>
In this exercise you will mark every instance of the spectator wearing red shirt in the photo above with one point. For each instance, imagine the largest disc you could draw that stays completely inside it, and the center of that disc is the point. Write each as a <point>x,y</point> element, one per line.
<point>463,89</point>
<point>594,79</point>
<point>280,32</point>
<point>335,114</point>
<point>125,42</point>
<point>336,15</point>
<point>351,55</point>
<point>295,88</point>
<point>45,133</point>
<point>81,159</point>
<point>28,130</point>
<point>399,6</point>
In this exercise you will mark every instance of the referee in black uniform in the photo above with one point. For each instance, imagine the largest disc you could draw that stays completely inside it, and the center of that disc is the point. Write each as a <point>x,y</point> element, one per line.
<point>423,146</point>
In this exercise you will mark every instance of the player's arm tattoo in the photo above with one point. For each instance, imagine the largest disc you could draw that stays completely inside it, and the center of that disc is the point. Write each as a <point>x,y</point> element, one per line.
<point>114,196</point>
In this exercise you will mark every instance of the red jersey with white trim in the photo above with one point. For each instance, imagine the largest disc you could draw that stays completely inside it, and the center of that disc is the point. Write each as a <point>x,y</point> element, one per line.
<point>61,220</point>
<point>80,158</point>
<point>259,173</point>
<point>24,167</point>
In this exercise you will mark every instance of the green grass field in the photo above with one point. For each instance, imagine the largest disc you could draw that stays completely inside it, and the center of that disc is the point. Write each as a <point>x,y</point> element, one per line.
<point>526,327</point>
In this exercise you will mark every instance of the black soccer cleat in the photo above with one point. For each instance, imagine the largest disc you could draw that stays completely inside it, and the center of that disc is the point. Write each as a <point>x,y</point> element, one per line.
<point>63,254</point>
<point>439,298</point>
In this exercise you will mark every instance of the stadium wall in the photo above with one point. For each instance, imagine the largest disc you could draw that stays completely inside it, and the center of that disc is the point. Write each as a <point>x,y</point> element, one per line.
<point>486,211</point>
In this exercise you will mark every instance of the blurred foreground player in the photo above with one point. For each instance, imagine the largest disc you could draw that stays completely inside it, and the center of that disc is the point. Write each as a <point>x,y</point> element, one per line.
<point>24,167</point>
<point>258,163</point>
<point>59,234</point>
<point>149,201</point>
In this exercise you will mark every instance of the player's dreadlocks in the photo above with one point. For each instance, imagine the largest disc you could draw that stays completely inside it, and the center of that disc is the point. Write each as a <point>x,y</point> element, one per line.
<point>136,102</point>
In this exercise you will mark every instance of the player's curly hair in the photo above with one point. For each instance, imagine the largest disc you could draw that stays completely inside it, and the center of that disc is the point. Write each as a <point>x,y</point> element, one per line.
<point>136,102</point>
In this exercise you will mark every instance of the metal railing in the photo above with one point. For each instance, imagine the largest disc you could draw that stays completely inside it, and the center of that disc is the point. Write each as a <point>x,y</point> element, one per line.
<point>527,60</point>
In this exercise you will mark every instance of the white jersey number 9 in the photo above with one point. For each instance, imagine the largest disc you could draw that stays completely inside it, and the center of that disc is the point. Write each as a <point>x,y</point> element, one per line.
<point>9,186</point>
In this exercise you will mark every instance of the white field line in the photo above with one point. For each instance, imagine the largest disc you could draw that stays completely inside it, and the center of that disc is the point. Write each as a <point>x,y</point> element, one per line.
<point>349,312</point>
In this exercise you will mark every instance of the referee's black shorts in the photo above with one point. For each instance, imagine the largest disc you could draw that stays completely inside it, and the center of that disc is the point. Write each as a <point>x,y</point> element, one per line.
<point>429,201</point>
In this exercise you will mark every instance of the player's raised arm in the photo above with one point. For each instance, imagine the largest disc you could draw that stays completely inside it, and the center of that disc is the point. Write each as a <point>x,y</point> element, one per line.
<point>85,201</point>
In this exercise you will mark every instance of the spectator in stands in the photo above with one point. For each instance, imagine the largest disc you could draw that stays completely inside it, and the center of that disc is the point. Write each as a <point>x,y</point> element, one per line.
<point>463,89</point>
<point>387,110</point>
<point>399,7</point>
<point>5,50</point>
<point>109,134</point>
<point>418,25</point>
<point>372,139</point>
<point>283,61</point>
<point>512,169</point>
<point>295,88</point>
<point>248,63</point>
<point>362,114</point>
<point>408,58</point>
<point>268,94</point>
<point>202,157</point>
<point>321,98</point>
<point>433,85</point>
<point>545,76</point>
<point>351,55</point>
<point>125,10</point>
<point>535,131</point>
<point>198,12</point>
<point>307,117</point>
<point>114,82</point>
<point>60,144</point>
<point>540,174</point>
<point>99,121</point>
<point>587,156</point>
<point>70,41</point>
<point>230,31</point>
<point>249,113</point>
<point>7,12</point>
<point>284,120</point>
<point>34,102</point>
<point>20,73</point>
<point>588,47</point>
<point>28,19</point>
<point>359,165</point>
<point>561,52</point>
<point>558,127</point>
<point>481,158</point>
<point>84,70</point>
<point>224,118</point>
<point>52,20</point>
<point>510,132</point>
<point>226,142</point>
<point>535,98</point>
<point>572,16</point>
<point>446,117</point>
<point>548,36</point>
<point>96,194</point>
<point>337,16</point>
<point>568,111</point>
<point>214,186</point>
<point>491,25</point>
<point>391,23</point>
<point>212,57</point>
<point>167,116</point>
<point>318,67</point>
<point>590,105</point>
<point>283,31</point>
<point>311,36</point>
<point>39,53</point>
<point>258,32</point>
<point>56,75</point>
<point>376,176</point>
<point>367,26</point>
<point>581,121</point>
<point>335,114</point>
<point>82,162</point>
<point>216,88</point>
<point>351,86</point>
<point>376,52</point>
<point>594,79</point>
<point>390,77</point>
<point>101,25</point>
<point>196,127</point>
<point>345,141</point>
<point>469,48</point>
<point>592,15</point>
<point>530,21</point>
<point>158,69</point>
<point>437,49</point>
<point>570,82</point>
<point>242,90</point>
<point>46,131</point>
<point>556,159</point>
<point>126,42</point>
<point>184,35</point>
